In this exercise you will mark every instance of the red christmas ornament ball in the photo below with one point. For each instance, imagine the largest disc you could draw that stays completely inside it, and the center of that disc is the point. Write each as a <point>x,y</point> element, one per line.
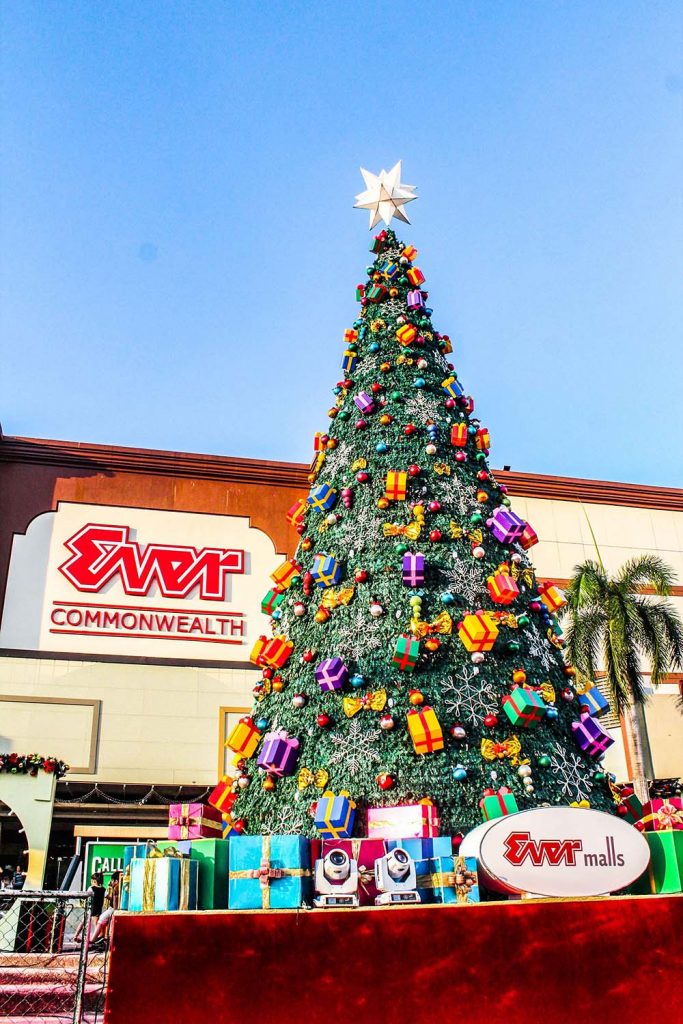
<point>323,719</point>
<point>360,575</point>
<point>491,721</point>
<point>385,781</point>
<point>435,535</point>
<point>414,470</point>
<point>409,429</point>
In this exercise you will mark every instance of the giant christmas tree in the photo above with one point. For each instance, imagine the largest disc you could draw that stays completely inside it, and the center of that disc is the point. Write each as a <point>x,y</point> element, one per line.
<point>414,655</point>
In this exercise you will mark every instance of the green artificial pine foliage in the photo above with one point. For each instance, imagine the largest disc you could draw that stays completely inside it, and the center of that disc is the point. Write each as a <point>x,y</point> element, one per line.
<point>449,499</point>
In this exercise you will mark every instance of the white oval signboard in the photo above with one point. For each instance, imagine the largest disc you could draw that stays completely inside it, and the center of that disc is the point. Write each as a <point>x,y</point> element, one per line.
<point>563,851</point>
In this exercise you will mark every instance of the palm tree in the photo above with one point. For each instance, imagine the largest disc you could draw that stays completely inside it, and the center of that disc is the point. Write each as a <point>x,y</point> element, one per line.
<point>613,627</point>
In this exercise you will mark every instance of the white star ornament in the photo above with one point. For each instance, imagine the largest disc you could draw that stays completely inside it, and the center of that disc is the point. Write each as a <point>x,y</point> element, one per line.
<point>385,195</point>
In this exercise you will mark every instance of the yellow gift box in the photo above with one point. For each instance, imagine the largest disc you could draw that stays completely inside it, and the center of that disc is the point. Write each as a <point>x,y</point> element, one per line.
<point>285,573</point>
<point>244,738</point>
<point>425,730</point>
<point>396,485</point>
<point>478,632</point>
<point>406,333</point>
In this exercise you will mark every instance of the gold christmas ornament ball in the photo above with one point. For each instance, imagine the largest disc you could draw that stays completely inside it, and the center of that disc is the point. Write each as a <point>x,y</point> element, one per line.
<point>382,503</point>
<point>268,783</point>
<point>519,676</point>
<point>432,643</point>
<point>416,697</point>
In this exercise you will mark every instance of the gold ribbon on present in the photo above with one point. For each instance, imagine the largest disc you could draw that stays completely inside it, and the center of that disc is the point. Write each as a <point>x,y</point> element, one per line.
<point>185,821</point>
<point>318,778</point>
<point>332,598</point>
<point>184,894</point>
<point>370,702</point>
<point>443,623</point>
<point>148,883</point>
<point>492,750</point>
<point>442,468</point>
<point>412,530</point>
<point>266,874</point>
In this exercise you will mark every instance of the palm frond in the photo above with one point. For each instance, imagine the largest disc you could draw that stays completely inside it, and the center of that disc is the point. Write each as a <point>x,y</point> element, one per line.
<point>646,571</point>
<point>589,585</point>
<point>583,635</point>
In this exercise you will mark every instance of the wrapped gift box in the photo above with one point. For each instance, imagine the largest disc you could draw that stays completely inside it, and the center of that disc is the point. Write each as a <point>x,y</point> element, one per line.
<point>285,573</point>
<point>415,299</point>
<point>277,651</point>
<point>406,652</point>
<point>365,852</point>
<point>297,513</point>
<point>406,333</point>
<point>322,497</point>
<point>452,387</point>
<point>454,879</point>
<point>422,850</point>
<point>244,738</point>
<point>364,403</point>
<point>194,821</point>
<point>415,276</point>
<point>524,708</point>
<point>396,485</point>
<point>129,853</point>
<point>665,870</point>
<point>459,435</point>
<point>349,361</point>
<point>425,730</point>
<point>269,873</point>
<point>528,538</point>
<point>590,736</point>
<point>326,570</point>
<point>505,525</point>
<point>331,674</point>
<point>335,815</point>
<point>222,797</point>
<point>477,632</point>
<point>406,821</point>
<point>593,703</point>
<point>279,753</point>
<point>212,856</point>
<point>662,815</point>
<point>413,569</point>
<point>271,601</point>
<point>502,588</point>
<point>496,805</point>
<point>163,883</point>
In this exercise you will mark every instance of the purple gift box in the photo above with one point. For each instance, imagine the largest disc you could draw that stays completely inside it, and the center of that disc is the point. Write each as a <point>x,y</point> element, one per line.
<point>414,299</point>
<point>505,525</point>
<point>413,570</point>
<point>279,753</point>
<point>364,402</point>
<point>590,736</point>
<point>331,674</point>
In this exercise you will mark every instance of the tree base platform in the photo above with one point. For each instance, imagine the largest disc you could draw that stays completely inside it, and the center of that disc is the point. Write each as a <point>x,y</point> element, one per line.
<point>611,960</point>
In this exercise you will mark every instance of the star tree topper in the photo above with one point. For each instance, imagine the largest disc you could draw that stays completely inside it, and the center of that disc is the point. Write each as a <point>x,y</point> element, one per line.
<point>385,195</point>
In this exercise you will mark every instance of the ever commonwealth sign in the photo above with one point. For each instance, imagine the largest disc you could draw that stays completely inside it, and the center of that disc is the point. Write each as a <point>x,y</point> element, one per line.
<point>114,580</point>
<point>562,851</point>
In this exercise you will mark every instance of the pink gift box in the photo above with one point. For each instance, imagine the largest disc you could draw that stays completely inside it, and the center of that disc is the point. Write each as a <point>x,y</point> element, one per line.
<point>408,821</point>
<point>365,852</point>
<point>194,821</point>
<point>662,815</point>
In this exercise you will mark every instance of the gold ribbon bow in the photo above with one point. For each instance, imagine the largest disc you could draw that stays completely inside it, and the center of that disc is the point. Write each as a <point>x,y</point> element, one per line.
<point>547,692</point>
<point>370,702</point>
<point>492,751</point>
<point>556,641</point>
<point>455,529</point>
<point>332,598</point>
<point>442,468</point>
<point>400,360</point>
<point>412,531</point>
<point>318,778</point>
<point>525,574</point>
<point>506,619</point>
<point>443,623</point>
<point>580,803</point>
<point>377,325</point>
<point>359,464</point>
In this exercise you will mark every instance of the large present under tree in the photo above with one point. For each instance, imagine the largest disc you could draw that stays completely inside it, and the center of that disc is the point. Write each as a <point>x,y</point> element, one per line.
<point>412,474</point>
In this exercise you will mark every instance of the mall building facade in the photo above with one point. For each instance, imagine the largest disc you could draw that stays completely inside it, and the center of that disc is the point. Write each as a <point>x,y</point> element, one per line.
<point>130,590</point>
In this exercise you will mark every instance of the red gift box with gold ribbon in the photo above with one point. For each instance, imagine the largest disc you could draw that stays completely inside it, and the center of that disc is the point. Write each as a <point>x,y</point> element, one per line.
<point>194,821</point>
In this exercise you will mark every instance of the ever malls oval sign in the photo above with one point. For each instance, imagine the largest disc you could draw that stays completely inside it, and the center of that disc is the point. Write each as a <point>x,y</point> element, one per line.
<point>563,851</point>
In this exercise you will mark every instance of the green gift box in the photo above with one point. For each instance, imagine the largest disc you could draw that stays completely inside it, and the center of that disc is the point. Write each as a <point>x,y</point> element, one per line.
<point>665,871</point>
<point>212,856</point>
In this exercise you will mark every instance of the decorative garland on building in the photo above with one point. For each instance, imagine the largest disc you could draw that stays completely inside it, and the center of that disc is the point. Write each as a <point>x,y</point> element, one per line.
<point>31,764</point>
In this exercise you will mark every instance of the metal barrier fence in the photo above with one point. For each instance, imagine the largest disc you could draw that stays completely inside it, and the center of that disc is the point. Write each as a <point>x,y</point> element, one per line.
<point>45,971</point>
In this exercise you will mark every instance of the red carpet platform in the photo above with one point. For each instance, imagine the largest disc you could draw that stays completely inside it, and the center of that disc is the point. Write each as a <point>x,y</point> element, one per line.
<point>612,961</point>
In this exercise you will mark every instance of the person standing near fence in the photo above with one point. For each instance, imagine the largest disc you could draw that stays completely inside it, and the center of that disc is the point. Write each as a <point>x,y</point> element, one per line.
<point>98,893</point>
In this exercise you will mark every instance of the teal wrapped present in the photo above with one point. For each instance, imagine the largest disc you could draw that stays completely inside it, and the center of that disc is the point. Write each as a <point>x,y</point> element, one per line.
<point>422,850</point>
<point>129,852</point>
<point>163,883</point>
<point>269,873</point>
<point>454,879</point>
<point>326,570</point>
<point>271,601</point>
<point>212,856</point>
<point>524,708</point>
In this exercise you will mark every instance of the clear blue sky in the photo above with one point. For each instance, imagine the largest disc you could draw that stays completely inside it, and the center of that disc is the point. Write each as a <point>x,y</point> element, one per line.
<point>180,252</point>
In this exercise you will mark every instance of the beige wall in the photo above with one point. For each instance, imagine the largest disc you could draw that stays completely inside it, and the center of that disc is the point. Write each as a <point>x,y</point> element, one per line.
<point>161,724</point>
